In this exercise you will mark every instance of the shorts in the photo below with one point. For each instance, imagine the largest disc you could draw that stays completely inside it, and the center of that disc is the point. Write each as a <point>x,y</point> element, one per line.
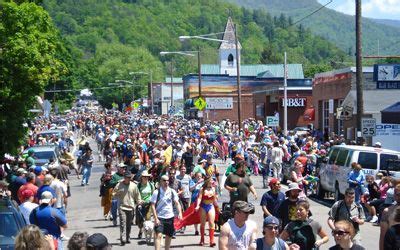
<point>166,227</point>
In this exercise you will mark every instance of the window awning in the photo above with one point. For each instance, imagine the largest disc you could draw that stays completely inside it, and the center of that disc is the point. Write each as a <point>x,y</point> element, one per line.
<point>309,114</point>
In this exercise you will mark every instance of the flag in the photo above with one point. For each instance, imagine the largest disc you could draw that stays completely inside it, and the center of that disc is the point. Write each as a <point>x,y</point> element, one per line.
<point>168,155</point>
<point>221,145</point>
<point>190,217</point>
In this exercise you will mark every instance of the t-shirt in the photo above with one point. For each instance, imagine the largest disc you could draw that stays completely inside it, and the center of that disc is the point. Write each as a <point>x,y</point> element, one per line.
<point>184,185</point>
<point>316,227</point>
<point>392,238</point>
<point>61,191</point>
<point>354,247</point>
<point>199,169</point>
<point>240,237</point>
<point>279,244</point>
<point>48,218</point>
<point>272,201</point>
<point>340,211</point>
<point>242,183</point>
<point>146,191</point>
<point>164,207</point>
<point>43,189</point>
<point>26,209</point>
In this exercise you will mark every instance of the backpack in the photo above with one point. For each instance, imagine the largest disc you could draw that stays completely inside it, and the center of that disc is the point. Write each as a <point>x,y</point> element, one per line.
<point>340,205</point>
<point>303,235</point>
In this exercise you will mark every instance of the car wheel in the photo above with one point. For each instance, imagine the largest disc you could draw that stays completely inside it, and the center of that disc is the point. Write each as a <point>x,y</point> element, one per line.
<point>320,190</point>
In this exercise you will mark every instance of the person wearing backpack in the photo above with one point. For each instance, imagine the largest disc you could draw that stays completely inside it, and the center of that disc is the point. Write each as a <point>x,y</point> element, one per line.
<point>271,241</point>
<point>163,201</point>
<point>303,232</point>
<point>347,209</point>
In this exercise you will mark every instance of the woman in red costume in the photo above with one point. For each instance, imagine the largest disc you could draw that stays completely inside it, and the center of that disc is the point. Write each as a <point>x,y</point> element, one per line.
<point>207,204</point>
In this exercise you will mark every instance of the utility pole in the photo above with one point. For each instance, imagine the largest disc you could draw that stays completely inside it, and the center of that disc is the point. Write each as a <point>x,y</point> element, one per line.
<point>238,80</point>
<point>285,98</point>
<point>359,71</point>
<point>172,88</point>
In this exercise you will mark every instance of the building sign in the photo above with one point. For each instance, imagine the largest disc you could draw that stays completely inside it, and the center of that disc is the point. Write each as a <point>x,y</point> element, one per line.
<point>219,102</point>
<point>272,121</point>
<point>332,78</point>
<point>387,76</point>
<point>388,135</point>
<point>295,101</point>
<point>368,127</point>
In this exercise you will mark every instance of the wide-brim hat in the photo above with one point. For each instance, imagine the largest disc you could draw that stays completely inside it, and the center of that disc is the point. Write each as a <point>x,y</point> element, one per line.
<point>145,174</point>
<point>293,186</point>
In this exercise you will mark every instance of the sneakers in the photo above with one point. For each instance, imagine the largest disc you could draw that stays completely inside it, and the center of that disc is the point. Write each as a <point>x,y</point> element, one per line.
<point>374,219</point>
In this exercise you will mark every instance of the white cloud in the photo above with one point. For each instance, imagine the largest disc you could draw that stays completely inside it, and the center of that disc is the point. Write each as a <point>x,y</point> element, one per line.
<point>384,9</point>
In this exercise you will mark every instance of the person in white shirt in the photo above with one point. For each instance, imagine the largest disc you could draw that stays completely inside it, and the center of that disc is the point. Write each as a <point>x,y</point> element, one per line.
<point>276,160</point>
<point>27,206</point>
<point>162,206</point>
<point>239,233</point>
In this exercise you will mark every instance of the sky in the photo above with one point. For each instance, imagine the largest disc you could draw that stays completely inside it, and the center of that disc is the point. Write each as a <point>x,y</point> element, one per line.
<point>381,9</point>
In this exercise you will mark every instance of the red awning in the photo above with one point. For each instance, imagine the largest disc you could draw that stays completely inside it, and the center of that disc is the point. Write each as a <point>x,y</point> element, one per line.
<point>309,114</point>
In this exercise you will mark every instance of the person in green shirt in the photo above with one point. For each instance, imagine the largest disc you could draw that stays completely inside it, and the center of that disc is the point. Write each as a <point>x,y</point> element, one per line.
<point>200,167</point>
<point>117,177</point>
<point>146,189</point>
<point>30,161</point>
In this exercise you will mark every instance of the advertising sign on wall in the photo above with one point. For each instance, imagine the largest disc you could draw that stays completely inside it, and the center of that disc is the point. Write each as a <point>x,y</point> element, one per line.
<point>219,102</point>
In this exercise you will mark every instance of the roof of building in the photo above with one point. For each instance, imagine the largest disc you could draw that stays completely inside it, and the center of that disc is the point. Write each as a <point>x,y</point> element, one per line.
<point>395,108</point>
<point>229,36</point>
<point>295,71</point>
<point>374,100</point>
<point>344,70</point>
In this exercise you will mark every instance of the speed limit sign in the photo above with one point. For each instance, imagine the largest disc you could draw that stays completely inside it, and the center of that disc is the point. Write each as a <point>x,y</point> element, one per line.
<point>368,127</point>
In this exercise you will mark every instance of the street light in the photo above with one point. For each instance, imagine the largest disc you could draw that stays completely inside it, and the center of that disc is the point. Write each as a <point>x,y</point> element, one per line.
<point>188,53</point>
<point>150,73</point>
<point>206,37</point>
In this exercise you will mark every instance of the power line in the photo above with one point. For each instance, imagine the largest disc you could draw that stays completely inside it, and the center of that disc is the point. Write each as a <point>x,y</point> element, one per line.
<point>77,90</point>
<point>312,13</point>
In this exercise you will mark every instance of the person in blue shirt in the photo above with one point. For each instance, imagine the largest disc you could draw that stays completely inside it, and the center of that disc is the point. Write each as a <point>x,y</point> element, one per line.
<point>48,179</point>
<point>48,218</point>
<point>356,180</point>
<point>272,199</point>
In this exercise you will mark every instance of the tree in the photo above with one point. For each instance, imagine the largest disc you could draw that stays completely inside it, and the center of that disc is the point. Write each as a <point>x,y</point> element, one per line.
<point>29,44</point>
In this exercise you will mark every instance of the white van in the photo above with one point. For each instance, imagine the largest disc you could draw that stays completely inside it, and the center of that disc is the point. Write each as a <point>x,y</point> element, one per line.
<point>336,167</point>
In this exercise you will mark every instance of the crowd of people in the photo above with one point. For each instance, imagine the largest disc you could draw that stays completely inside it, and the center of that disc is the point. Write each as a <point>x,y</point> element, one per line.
<point>160,173</point>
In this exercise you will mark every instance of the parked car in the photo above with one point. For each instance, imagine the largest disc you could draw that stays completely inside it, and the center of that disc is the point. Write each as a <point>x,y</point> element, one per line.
<point>337,165</point>
<point>51,132</point>
<point>11,222</point>
<point>44,153</point>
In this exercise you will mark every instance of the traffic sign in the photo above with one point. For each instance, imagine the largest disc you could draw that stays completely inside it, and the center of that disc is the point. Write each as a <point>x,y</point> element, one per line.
<point>272,121</point>
<point>368,127</point>
<point>200,103</point>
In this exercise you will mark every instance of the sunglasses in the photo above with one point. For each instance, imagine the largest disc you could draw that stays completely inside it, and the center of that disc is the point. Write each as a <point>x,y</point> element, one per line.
<point>339,232</point>
<point>272,228</point>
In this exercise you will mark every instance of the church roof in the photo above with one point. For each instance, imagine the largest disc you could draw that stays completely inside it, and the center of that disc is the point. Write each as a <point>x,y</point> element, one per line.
<point>229,36</point>
<point>295,71</point>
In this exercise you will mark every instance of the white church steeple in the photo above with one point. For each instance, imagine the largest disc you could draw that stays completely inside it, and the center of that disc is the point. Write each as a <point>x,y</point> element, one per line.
<point>227,50</point>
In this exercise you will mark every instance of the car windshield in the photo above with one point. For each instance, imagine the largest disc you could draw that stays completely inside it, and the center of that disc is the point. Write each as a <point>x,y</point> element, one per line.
<point>44,155</point>
<point>8,228</point>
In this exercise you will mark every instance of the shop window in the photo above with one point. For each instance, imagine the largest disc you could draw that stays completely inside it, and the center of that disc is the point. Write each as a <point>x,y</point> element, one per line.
<point>260,110</point>
<point>230,60</point>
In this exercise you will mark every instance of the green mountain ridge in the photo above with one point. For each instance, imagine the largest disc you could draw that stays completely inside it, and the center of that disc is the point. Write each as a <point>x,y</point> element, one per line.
<point>334,26</point>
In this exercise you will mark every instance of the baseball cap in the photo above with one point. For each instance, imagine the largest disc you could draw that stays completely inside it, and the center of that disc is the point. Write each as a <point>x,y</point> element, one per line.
<point>46,197</point>
<point>273,182</point>
<point>271,220</point>
<point>97,241</point>
<point>37,170</point>
<point>201,161</point>
<point>27,193</point>
<point>244,207</point>
<point>21,171</point>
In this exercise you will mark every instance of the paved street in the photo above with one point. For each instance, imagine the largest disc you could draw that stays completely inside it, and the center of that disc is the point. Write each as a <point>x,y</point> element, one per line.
<point>85,214</point>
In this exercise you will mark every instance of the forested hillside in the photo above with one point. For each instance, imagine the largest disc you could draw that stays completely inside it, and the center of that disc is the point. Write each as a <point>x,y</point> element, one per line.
<point>110,38</point>
<point>337,27</point>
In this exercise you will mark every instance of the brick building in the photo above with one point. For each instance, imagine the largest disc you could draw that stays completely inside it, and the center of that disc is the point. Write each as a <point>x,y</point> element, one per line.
<point>334,100</point>
<point>260,87</point>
